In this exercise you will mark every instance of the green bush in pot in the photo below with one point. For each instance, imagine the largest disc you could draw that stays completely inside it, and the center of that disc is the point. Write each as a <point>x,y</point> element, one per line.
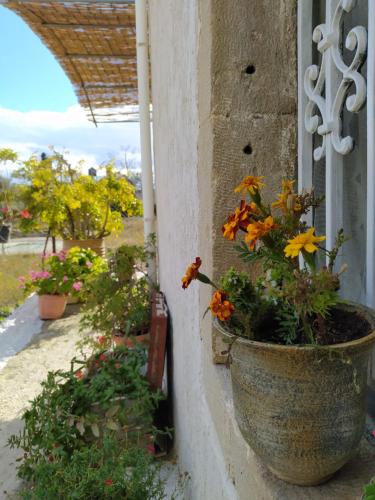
<point>298,352</point>
<point>118,300</point>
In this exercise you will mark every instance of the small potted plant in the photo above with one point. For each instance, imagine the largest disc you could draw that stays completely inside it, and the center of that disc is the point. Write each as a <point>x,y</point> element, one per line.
<point>298,353</point>
<point>84,265</point>
<point>118,301</point>
<point>52,284</point>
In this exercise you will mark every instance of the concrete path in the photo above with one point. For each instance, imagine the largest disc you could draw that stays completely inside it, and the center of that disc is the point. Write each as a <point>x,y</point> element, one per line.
<point>28,245</point>
<point>50,349</point>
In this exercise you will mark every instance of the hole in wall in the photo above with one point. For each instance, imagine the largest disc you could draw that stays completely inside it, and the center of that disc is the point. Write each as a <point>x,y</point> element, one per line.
<point>247,149</point>
<point>250,70</point>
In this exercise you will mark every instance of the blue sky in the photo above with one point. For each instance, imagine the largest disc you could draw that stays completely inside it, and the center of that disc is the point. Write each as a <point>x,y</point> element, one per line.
<point>38,106</point>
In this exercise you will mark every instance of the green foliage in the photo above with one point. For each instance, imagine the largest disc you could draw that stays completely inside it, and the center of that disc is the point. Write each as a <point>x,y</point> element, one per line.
<point>72,205</point>
<point>369,491</point>
<point>119,300</point>
<point>105,471</point>
<point>106,395</point>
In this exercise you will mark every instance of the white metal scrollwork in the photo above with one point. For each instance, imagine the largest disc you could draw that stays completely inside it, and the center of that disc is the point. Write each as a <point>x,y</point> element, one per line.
<point>324,117</point>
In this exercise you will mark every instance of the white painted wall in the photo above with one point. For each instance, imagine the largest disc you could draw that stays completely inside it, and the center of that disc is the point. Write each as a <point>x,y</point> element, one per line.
<point>174,43</point>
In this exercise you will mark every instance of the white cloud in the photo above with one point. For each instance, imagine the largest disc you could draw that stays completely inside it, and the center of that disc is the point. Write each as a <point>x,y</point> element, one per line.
<point>34,131</point>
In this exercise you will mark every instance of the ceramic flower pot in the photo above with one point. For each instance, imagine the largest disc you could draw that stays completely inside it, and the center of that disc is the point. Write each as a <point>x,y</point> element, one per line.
<point>5,233</point>
<point>301,409</point>
<point>52,306</point>
<point>97,245</point>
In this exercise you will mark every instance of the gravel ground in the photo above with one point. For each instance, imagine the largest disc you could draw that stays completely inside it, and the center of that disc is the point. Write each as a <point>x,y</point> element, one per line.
<point>20,379</point>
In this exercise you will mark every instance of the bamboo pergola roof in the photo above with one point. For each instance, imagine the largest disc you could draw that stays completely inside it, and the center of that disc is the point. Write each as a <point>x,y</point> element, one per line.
<point>95,43</point>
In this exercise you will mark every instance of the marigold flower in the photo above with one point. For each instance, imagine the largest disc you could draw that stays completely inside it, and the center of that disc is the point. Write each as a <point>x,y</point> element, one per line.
<point>102,340</point>
<point>79,374</point>
<point>191,273</point>
<point>220,306</point>
<point>286,194</point>
<point>258,229</point>
<point>303,241</point>
<point>239,219</point>
<point>251,183</point>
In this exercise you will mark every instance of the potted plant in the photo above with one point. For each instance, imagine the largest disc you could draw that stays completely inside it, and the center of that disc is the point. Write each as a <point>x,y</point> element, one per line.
<point>118,301</point>
<point>75,207</point>
<point>83,265</point>
<point>52,284</point>
<point>298,353</point>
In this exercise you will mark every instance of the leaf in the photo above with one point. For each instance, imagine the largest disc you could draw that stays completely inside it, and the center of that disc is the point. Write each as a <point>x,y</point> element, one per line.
<point>95,430</point>
<point>112,411</point>
<point>81,427</point>
<point>112,425</point>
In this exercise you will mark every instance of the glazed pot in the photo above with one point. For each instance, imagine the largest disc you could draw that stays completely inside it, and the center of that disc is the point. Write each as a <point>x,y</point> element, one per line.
<point>302,409</point>
<point>5,233</point>
<point>97,245</point>
<point>52,306</point>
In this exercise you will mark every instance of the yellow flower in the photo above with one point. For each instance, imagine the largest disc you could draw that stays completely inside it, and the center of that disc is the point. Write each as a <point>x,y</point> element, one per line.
<point>287,191</point>
<point>252,184</point>
<point>220,306</point>
<point>256,230</point>
<point>303,241</point>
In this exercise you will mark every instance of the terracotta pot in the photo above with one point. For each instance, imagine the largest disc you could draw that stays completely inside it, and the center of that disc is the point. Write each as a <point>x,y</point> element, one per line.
<point>129,341</point>
<point>97,245</point>
<point>5,233</point>
<point>52,306</point>
<point>301,409</point>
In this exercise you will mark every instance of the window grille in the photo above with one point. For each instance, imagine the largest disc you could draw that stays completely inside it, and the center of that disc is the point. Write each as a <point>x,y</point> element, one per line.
<point>336,136</point>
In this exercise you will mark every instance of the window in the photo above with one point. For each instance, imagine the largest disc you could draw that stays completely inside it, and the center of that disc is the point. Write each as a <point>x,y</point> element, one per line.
<point>336,120</point>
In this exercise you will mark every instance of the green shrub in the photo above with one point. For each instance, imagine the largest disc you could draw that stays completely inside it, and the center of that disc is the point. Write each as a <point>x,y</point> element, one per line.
<point>369,491</point>
<point>99,472</point>
<point>107,395</point>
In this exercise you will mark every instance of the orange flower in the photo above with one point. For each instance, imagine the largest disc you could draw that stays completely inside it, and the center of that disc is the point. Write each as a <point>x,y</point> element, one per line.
<point>240,219</point>
<point>191,273</point>
<point>258,229</point>
<point>79,374</point>
<point>252,184</point>
<point>220,306</point>
<point>287,199</point>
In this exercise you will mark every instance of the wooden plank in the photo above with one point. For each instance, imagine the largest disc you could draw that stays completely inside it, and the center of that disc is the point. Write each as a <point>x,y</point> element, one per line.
<point>158,338</point>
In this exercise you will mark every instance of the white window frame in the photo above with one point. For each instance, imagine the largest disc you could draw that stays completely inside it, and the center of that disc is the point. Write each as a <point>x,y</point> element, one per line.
<point>336,146</point>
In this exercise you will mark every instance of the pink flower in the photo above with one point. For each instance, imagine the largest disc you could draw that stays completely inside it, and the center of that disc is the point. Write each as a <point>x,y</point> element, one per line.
<point>102,357</point>
<point>44,274</point>
<point>89,264</point>
<point>25,214</point>
<point>79,374</point>
<point>77,285</point>
<point>65,279</point>
<point>108,482</point>
<point>373,433</point>
<point>102,340</point>
<point>62,256</point>
<point>22,279</point>
<point>5,210</point>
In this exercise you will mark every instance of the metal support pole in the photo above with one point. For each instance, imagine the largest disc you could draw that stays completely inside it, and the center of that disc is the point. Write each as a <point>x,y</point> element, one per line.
<point>145,124</point>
